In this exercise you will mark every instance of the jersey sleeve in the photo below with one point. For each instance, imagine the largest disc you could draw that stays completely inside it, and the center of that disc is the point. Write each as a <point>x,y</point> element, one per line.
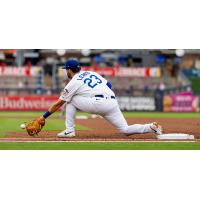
<point>69,91</point>
<point>109,84</point>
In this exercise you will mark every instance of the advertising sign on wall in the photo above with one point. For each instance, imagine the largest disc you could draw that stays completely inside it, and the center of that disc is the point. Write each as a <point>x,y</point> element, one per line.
<point>42,103</point>
<point>181,102</point>
<point>20,71</point>
<point>191,72</point>
<point>136,103</point>
<point>32,103</point>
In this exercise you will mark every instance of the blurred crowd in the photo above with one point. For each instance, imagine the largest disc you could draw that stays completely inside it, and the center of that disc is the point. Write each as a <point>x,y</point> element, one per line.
<point>169,61</point>
<point>102,57</point>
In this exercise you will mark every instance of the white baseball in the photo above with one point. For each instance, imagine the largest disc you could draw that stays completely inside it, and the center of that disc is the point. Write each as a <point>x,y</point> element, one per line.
<point>23,126</point>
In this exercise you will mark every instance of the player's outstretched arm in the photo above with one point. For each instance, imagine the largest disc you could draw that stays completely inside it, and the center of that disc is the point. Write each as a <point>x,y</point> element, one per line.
<point>34,127</point>
<point>53,108</point>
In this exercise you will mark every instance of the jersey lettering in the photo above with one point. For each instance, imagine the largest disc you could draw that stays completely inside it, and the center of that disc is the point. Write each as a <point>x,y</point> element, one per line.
<point>81,76</point>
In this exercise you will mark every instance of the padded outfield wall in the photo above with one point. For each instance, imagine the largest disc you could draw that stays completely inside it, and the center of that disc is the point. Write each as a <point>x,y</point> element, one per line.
<point>182,102</point>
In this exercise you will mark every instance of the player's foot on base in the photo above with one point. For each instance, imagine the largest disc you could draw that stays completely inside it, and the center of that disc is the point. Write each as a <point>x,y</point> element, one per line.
<point>66,134</point>
<point>156,128</point>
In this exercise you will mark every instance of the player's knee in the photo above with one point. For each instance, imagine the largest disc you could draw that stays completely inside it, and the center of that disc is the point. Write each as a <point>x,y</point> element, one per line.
<point>124,130</point>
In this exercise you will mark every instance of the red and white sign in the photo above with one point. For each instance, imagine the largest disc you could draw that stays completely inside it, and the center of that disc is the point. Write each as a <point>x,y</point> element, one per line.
<point>19,71</point>
<point>127,72</point>
<point>123,71</point>
<point>29,103</point>
<point>105,71</point>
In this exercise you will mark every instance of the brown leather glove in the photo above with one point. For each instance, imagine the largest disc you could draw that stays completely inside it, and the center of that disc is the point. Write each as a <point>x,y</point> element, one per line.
<point>34,127</point>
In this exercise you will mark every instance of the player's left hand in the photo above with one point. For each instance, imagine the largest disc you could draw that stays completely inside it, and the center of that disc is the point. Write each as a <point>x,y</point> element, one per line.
<point>34,127</point>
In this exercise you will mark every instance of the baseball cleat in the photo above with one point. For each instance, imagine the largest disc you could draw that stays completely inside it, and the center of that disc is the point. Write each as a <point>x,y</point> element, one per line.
<point>156,128</point>
<point>66,134</point>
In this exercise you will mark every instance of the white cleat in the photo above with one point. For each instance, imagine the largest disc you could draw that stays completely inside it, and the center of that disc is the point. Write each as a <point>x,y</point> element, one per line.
<point>66,134</point>
<point>156,128</point>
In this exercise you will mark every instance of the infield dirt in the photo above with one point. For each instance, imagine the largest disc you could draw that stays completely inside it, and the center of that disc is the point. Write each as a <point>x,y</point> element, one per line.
<point>102,130</point>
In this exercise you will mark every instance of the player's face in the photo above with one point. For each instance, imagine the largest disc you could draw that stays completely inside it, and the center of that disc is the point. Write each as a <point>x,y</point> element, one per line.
<point>69,74</point>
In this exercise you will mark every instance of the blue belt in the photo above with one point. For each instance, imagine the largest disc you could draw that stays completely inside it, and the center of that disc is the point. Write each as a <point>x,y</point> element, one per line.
<point>102,96</point>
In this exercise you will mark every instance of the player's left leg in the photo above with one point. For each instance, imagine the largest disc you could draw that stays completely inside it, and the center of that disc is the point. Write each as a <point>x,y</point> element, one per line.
<point>70,122</point>
<point>116,118</point>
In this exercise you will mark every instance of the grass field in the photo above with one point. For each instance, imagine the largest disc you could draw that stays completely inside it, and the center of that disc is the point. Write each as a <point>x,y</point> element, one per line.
<point>10,123</point>
<point>99,146</point>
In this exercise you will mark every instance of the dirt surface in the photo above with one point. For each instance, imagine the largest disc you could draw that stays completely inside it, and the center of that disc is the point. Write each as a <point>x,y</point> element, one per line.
<point>101,130</point>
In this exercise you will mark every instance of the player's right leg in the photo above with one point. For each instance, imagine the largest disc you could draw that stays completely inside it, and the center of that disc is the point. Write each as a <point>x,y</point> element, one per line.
<point>116,118</point>
<point>70,124</point>
<point>84,104</point>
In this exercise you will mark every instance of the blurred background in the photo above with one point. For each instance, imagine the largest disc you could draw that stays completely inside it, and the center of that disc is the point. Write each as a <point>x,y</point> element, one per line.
<point>165,80</point>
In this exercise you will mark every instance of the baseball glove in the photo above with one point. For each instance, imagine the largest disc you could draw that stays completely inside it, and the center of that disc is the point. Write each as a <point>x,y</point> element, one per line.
<point>34,127</point>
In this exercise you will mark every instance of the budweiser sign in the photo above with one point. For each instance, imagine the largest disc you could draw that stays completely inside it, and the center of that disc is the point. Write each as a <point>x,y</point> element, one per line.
<point>28,103</point>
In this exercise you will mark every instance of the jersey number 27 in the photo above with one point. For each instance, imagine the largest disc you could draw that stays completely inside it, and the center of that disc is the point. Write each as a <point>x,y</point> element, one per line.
<point>92,81</point>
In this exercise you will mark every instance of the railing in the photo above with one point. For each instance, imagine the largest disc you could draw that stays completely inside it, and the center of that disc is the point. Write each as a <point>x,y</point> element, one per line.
<point>29,91</point>
<point>119,92</point>
<point>183,79</point>
<point>173,90</point>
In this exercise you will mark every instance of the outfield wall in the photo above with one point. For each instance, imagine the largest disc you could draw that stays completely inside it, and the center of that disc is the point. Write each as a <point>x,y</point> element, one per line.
<point>181,102</point>
<point>42,103</point>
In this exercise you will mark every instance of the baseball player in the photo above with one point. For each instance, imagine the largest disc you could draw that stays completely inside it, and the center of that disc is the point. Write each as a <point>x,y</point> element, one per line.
<point>87,91</point>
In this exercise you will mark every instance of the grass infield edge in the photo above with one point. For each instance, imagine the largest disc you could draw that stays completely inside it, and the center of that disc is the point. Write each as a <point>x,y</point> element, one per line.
<point>100,146</point>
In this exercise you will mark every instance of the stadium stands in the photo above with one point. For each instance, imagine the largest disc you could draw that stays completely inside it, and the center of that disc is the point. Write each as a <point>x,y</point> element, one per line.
<point>142,79</point>
<point>49,80</point>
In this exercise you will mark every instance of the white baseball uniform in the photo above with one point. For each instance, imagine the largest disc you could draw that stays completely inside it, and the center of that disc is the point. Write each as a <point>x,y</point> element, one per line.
<point>88,92</point>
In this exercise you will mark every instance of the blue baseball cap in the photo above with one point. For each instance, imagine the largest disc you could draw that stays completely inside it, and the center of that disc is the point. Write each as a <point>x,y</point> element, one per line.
<point>71,64</point>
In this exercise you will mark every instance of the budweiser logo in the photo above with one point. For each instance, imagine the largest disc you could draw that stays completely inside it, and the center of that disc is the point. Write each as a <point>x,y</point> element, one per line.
<point>26,103</point>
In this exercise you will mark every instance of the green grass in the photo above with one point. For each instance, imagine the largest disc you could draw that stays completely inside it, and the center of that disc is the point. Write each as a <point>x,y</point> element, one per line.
<point>127,114</point>
<point>13,125</point>
<point>54,123</point>
<point>99,146</point>
<point>10,122</point>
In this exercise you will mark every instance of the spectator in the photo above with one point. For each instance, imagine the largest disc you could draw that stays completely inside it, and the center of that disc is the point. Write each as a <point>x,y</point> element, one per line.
<point>3,67</point>
<point>28,70</point>
<point>122,60</point>
<point>25,83</point>
<point>162,87</point>
<point>20,84</point>
<point>146,89</point>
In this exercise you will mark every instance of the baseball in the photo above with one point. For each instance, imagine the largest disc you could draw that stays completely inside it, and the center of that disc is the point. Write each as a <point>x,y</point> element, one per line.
<point>23,126</point>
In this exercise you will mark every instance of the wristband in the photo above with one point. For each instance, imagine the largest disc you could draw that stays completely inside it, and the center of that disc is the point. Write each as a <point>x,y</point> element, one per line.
<point>46,114</point>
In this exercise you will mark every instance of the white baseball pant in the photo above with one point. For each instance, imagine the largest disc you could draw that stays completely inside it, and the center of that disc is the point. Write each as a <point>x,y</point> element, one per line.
<point>107,108</point>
